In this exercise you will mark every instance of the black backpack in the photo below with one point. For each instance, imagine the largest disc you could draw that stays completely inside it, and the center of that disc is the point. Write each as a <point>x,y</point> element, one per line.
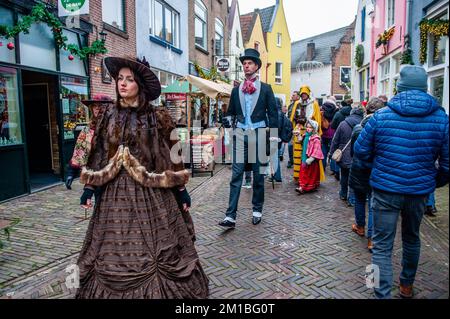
<point>286,129</point>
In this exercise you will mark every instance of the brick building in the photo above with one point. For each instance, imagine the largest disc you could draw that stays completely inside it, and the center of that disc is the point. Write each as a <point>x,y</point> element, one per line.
<point>324,63</point>
<point>208,33</point>
<point>341,64</point>
<point>42,86</point>
<point>118,21</point>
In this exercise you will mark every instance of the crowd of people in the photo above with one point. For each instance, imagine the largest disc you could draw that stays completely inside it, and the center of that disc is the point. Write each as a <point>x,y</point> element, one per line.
<point>387,155</point>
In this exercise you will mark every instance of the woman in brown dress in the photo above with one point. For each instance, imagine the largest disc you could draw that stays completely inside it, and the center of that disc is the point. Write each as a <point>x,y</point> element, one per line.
<point>140,240</point>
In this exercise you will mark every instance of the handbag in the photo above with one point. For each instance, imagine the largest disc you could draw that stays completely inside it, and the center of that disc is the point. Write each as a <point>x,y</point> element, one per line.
<point>337,155</point>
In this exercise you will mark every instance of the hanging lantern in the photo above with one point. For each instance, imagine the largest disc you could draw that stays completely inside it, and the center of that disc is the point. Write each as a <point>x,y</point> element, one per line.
<point>10,46</point>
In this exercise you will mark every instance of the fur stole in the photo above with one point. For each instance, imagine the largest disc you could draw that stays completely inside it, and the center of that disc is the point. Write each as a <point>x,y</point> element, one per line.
<point>123,158</point>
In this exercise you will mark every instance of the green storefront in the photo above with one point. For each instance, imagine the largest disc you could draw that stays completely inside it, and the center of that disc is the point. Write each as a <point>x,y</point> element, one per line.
<point>40,93</point>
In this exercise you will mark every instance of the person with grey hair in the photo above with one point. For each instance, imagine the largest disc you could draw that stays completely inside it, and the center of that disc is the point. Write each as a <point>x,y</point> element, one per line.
<point>359,178</point>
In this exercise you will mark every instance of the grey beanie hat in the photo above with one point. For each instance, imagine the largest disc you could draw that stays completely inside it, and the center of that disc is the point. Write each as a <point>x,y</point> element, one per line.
<point>412,77</point>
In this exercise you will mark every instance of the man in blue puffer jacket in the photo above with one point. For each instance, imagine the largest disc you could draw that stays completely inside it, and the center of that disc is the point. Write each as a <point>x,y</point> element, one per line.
<point>404,141</point>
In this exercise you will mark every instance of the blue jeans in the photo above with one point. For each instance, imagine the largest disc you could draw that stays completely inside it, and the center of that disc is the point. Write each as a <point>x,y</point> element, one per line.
<point>360,211</point>
<point>325,150</point>
<point>334,167</point>
<point>431,201</point>
<point>386,209</point>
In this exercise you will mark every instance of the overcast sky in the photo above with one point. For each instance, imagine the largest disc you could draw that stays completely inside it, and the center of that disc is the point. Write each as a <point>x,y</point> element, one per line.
<point>309,17</point>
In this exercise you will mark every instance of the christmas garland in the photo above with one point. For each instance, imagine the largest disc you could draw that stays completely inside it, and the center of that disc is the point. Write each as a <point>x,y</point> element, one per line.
<point>406,57</point>
<point>384,37</point>
<point>359,55</point>
<point>212,76</point>
<point>39,13</point>
<point>437,28</point>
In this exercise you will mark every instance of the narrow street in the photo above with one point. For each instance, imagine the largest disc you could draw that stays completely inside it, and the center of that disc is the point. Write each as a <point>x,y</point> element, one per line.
<point>304,248</point>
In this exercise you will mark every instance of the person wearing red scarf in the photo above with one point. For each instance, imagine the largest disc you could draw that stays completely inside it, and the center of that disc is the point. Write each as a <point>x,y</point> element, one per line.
<point>253,110</point>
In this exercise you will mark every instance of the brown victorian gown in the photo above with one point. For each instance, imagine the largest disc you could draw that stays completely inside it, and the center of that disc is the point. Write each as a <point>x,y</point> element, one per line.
<point>138,244</point>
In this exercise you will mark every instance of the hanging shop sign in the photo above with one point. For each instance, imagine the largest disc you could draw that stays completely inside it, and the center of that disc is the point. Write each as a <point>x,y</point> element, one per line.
<point>223,64</point>
<point>72,7</point>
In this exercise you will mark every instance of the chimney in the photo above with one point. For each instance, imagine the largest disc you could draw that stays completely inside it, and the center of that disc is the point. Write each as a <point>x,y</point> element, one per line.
<point>310,51</point>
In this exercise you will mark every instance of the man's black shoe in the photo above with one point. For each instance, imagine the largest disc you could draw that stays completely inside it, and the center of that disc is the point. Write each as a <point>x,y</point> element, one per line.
<point>227,224</point>
<point>256,220</point>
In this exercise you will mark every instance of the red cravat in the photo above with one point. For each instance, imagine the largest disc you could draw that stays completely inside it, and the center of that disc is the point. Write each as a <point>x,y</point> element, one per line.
<point>249,86</point>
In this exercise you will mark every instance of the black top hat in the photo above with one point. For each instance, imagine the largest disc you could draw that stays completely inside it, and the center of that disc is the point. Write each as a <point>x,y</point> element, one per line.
<point>151,81</point>
<point>251,54</point>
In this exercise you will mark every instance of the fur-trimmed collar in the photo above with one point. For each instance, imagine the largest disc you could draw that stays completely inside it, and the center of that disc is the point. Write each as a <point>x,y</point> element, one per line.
<point>125,105</point>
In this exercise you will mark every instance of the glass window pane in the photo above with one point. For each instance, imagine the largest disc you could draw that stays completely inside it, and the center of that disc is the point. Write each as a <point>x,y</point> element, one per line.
<point>168,26</point>
<point>437,88</point>
<point>76,66</point>
<point>158,19</point>
<point>37,48</point>
<point>176,18</point>
<point>73,91</point>
<point>438,58</point>
<point>200,10</point>
<point>199,32</point>
<point>10,129</point>
<point>112,11</point>
<point>6,18</point>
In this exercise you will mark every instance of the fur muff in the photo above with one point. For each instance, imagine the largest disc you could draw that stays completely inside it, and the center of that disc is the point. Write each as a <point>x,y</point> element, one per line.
<point>167,179</point>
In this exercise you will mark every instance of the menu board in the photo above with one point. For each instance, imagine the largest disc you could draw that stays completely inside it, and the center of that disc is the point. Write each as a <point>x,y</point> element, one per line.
<point>176,104</point>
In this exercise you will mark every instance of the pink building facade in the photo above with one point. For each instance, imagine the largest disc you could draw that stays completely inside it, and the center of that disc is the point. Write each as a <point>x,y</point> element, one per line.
<point>385,60</point>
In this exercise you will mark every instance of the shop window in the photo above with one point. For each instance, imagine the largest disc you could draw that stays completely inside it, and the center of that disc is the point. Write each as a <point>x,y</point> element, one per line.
<point>76,66</point>
<point>10,126</point>
<point>201,18</point>
<point>437,46</point>
<point>437,88</point>
<point>113,13</point>
<point>73,91</point>
<point>37,48</point>
<point>7,19</point>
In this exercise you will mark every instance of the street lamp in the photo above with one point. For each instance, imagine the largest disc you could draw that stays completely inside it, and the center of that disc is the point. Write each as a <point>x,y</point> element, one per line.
<point>103,35</point>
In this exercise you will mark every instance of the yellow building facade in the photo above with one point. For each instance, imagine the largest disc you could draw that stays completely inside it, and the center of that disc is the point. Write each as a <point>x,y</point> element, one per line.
<point>278,42</point>
<point>253,35</point>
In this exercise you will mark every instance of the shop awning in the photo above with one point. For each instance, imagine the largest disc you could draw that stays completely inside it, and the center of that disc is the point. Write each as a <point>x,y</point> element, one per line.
<point>210,88</point>
<point>179,87</point>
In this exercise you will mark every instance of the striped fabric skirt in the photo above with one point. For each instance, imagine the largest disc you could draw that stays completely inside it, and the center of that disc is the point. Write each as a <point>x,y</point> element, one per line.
<point>139,245</point>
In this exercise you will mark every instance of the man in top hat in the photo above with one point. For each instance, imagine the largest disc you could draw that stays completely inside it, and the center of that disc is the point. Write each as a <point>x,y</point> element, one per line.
<point>82,147</point>
<point>253,109</point>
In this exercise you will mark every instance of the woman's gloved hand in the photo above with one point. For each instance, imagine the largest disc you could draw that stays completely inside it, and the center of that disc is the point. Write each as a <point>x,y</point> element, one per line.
<point>86,198</point>
<point>183,198</point>
<point>309,160</point>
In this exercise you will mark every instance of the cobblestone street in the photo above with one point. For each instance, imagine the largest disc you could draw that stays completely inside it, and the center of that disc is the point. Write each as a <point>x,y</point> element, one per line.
<point>304,247</point>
